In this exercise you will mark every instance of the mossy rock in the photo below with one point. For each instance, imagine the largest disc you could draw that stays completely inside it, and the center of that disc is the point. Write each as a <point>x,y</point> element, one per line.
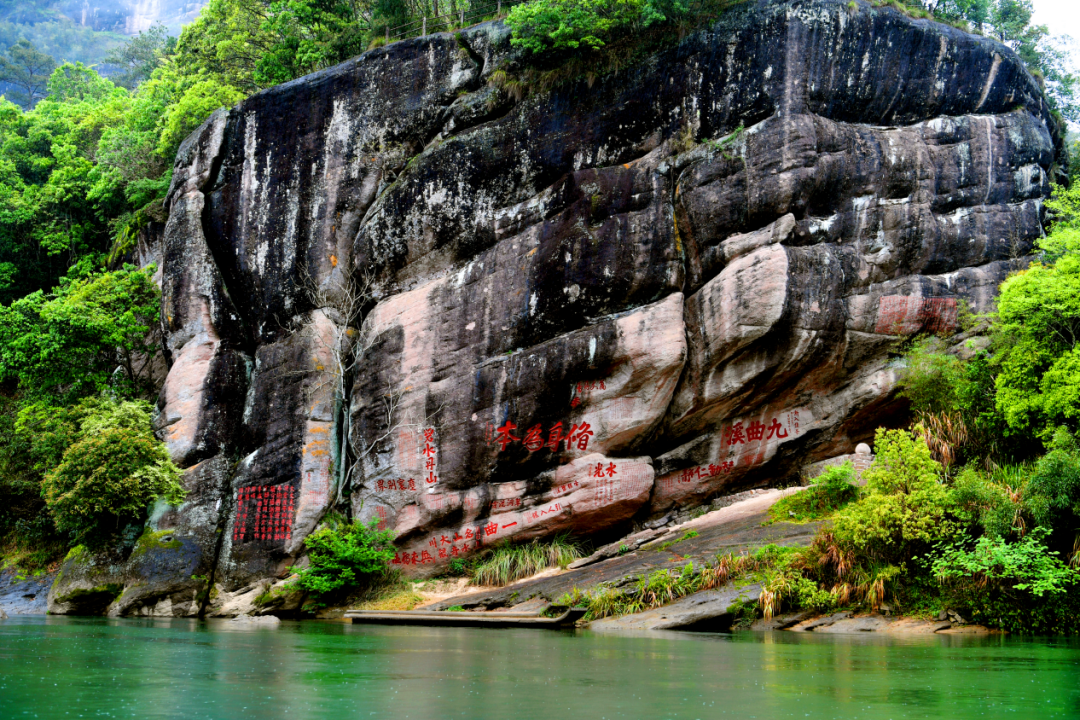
<point>91,601</point>
<point>155,540</point>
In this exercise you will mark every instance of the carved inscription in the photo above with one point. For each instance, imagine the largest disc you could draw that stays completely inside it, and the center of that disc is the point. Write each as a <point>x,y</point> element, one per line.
<point>581,391</point>
<point>907,315</point>
<point>264,513</point>
<point>533,438</point>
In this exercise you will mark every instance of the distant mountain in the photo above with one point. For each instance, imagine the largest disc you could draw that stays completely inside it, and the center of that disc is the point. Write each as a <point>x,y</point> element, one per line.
<point>130,17</point>
<point>124,17</point>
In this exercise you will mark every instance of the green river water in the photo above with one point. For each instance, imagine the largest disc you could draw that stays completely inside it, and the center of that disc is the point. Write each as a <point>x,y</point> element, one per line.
<point>96,668</point>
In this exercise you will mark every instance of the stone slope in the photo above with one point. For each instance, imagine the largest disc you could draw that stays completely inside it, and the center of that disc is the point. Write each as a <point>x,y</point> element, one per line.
<point>392,288</point>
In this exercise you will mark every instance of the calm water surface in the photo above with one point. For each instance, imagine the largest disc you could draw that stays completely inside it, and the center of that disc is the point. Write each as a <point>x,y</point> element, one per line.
<point>97,668</point>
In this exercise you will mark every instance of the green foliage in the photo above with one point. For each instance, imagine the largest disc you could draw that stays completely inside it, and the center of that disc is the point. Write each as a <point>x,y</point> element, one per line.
<point>829,492</point>
<point>581,28</point>
<point>27,533</point>
<point>1038,386</point>
<point>1053,493</point>
<point>506,563</point>
<point>905,508</point>
<point>343,558</point>
<point>193,106</point>
<point>69,344</point>
<point>933,379</point>
<point>110,472</point>
<point>994,504</point>
<point>544,25</point>
<point>27,69</point>
<point>1064,208</point>
<point>1021,586</point>
<point>140,56</point>
<point>902,464</point>
<point>1026,565</point>
<point>253,44</point>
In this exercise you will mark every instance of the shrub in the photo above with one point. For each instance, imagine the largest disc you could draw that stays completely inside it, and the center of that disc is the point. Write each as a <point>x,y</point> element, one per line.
<point>1021,586</point>
<point>905,509</point>
<point>107,481</point>
<point>994,506</point>
<point>344,557</point>
<point>932,377</point>
<point>829,492</point>
<point>1053,493</point>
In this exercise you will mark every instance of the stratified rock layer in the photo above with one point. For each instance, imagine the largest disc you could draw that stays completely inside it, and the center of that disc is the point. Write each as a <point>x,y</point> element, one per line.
<point>391,288</point>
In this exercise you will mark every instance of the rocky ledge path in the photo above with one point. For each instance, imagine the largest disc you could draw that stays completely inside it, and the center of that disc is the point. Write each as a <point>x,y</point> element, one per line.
<point>741,527</point>
<point>737,528</point>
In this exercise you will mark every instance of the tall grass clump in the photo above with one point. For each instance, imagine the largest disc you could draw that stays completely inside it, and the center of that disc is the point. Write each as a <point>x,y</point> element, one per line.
<point>507,563</point>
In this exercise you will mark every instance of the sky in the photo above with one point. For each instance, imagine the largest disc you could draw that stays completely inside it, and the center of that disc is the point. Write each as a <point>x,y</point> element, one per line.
<point>1061,16</point>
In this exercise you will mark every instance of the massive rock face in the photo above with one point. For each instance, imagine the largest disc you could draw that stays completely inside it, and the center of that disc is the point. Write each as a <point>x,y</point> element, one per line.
<point>390,288</point>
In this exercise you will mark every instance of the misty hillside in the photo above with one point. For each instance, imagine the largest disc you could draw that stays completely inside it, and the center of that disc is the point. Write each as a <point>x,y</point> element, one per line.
<point>85,30</point>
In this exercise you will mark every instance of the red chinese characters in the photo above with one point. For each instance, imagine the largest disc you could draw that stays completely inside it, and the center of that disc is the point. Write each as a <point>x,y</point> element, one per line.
<point>430,452</point>
<point>400,484</point>
<point>533,439</point>
<point>505,503</point>
<point>504,435</point>
<point>693,474</point>
<point>777,429</point>
<point>601,471</point>
<point>566,488</point>
<point>264,513</point>
<point>581,390</point>
<point>533,516</point>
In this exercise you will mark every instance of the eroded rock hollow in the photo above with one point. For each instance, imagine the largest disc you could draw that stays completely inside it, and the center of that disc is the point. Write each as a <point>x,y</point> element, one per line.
<point>391,288</point>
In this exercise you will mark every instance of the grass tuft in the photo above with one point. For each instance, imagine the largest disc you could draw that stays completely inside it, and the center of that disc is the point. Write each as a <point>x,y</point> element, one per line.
<point>505,564</point>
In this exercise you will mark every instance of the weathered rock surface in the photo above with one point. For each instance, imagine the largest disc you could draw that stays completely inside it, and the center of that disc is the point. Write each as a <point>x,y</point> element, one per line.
<point>21,595</point>
<point>389,287</point>
<point>708,611</point>
<point>846,622</point>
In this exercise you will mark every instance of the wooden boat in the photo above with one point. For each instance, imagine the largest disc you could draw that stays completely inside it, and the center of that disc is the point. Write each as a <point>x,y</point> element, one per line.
<point>466,619</point>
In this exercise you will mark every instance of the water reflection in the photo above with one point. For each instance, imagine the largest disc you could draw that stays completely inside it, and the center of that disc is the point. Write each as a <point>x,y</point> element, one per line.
<point>153,668</point>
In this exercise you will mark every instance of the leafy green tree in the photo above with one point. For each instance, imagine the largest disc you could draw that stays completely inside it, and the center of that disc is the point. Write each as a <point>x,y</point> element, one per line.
<point>1038,386</point>
<point>544,25</point>
<point>1053,493</point>
<point>90,334</point>
<point>140,56</point>
<point>197,103</point>
<point>107,479</point>
<point>975,12</point>
<point>28,70</point>
<point>253,44</point>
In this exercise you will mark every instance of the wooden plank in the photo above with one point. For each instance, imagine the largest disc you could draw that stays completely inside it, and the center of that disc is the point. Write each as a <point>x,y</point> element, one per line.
<point>464,619</point>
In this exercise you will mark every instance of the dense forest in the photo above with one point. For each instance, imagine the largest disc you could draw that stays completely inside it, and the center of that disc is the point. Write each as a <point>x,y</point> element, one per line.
<point>992,481</point>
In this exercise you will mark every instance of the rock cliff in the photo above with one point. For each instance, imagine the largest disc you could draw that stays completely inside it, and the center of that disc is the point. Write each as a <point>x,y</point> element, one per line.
<point>393,288</point>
